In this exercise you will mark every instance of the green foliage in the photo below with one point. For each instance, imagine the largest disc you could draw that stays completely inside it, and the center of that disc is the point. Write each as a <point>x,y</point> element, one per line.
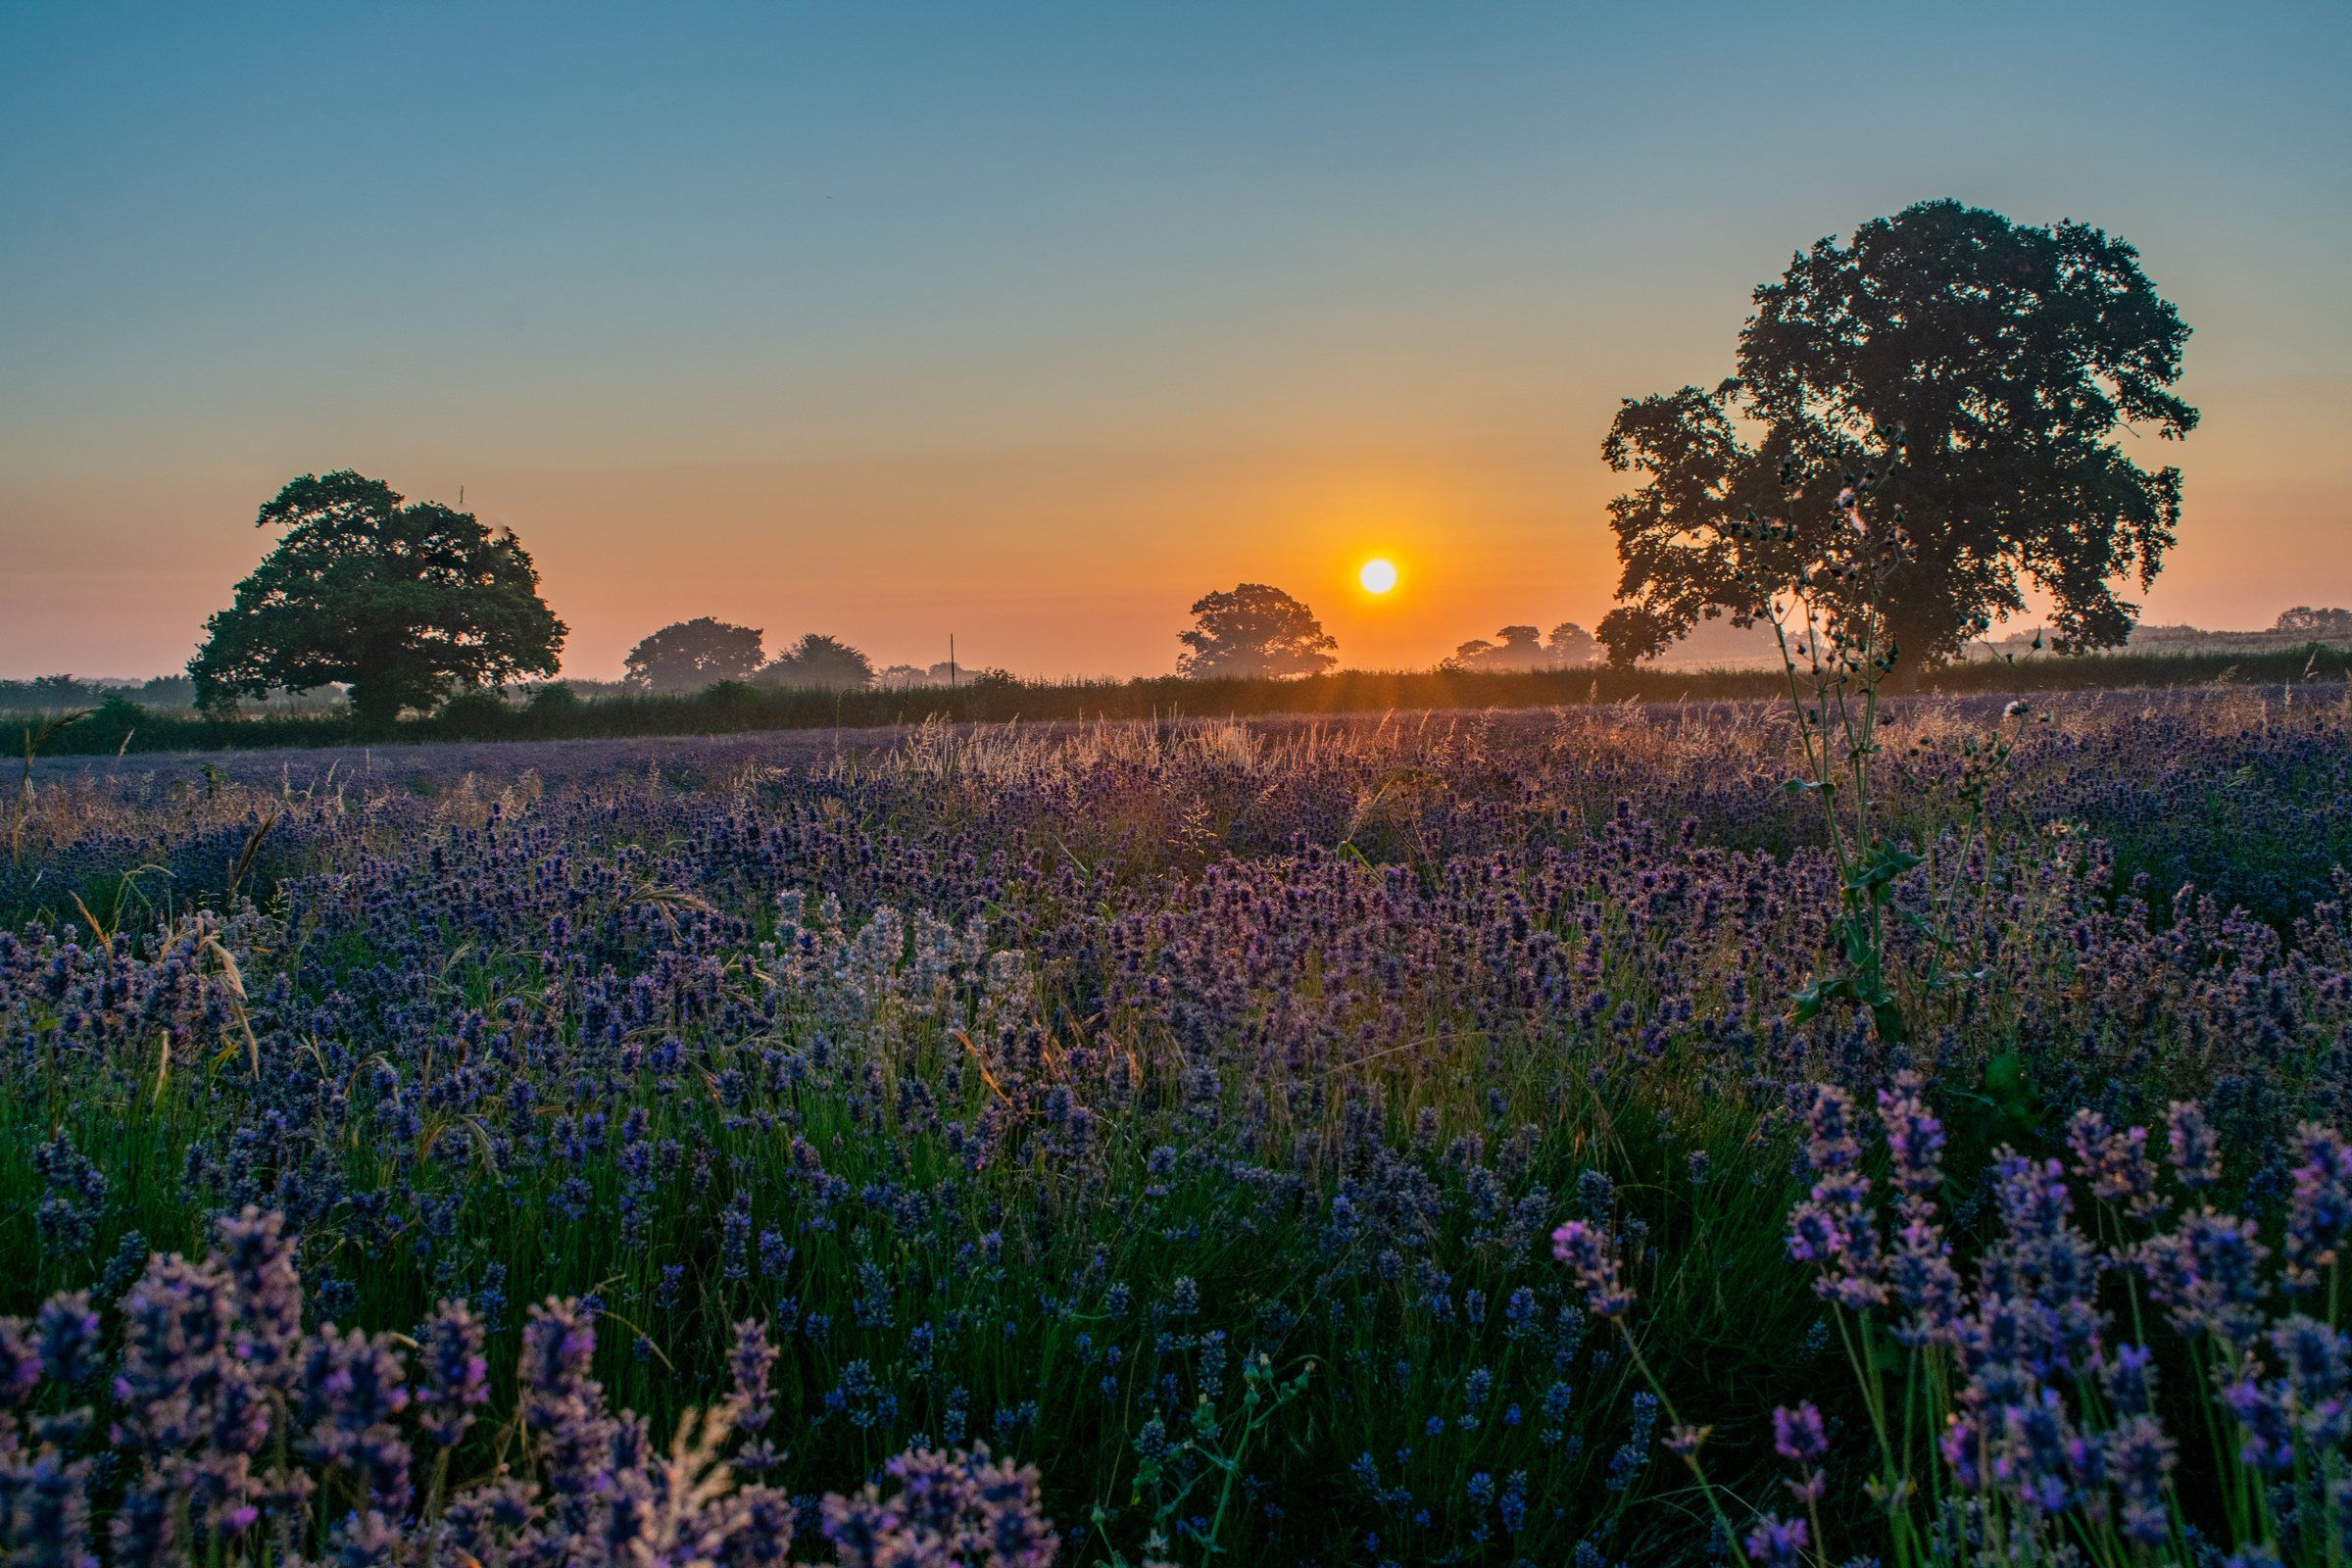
<point>2010,355</point>
<point>402,602</point>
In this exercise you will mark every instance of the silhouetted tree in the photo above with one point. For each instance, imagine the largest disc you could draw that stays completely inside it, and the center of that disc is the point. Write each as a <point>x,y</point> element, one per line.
<point>818,659</point>
<point>2004,358</point>
<point>2305,622</point>
<point>1252,633</point>
<point>1570,645</point>
<point>1521,648</point>
<point>403,602</point>
<point>690,655</point>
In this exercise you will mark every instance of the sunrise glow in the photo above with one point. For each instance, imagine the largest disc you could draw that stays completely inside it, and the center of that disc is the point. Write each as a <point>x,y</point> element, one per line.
<point>1378,575</point>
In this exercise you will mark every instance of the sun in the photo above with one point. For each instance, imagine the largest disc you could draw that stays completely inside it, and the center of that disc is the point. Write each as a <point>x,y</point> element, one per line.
<point>1378,575</point>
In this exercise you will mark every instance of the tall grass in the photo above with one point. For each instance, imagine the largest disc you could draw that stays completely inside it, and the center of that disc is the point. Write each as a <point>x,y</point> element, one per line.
<point>121,725</point>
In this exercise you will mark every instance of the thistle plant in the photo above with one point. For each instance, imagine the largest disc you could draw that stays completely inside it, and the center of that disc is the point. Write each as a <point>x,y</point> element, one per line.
<point>1820,583</point>
<point>1212,1455</point>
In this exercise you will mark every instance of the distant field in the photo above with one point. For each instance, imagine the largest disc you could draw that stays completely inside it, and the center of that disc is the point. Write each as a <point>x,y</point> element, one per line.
<point>121,725</point>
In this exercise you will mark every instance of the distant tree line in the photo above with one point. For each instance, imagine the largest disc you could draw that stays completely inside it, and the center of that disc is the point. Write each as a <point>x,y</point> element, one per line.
<point>1523,648</point>
<point>690,655</point>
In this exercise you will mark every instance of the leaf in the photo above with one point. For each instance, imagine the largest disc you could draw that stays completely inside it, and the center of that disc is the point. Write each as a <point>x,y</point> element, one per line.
<point>2005,1075</point>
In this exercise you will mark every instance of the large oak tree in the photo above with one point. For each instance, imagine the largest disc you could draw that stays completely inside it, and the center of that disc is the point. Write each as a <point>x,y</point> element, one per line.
<point>403,602</point>
<point>2000,362</point>
<point>1255,633</point>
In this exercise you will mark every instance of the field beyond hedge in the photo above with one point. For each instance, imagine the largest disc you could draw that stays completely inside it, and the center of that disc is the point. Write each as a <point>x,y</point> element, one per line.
<point>121,725</point>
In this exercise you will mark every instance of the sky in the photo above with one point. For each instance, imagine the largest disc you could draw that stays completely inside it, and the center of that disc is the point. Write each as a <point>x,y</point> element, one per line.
<point>1033,324</point>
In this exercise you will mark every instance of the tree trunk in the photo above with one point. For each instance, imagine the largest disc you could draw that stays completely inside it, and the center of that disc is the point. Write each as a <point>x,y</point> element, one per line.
<point>375,705</point>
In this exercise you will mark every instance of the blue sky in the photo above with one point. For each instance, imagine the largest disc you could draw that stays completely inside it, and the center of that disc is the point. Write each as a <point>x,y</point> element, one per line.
<point>1034,322</point>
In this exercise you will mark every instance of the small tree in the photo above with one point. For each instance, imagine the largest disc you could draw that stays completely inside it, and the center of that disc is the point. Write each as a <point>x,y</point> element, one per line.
<point>1521,648</point>
<point>2305,622</point>
<point>1255,633</point>
<point>1570,645</point>
<point>818,659</point>
<point>402,602</point>
<point>689,654</point>
<point>2007,358</point>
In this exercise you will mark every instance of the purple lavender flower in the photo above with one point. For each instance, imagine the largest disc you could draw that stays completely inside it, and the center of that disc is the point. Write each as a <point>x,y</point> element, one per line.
<point>457,1376</point>
<point>1835,1228</point>
<point>259,1256</point>
<point>947,1507</point>
<point>2320,1213</point>
<point>2265,1426</point>
<point>2114,1164</point>
<point>2129,1378</point>
<point>1914,1140</point>
<point>2039,1454</point>
<point>1775,1542</point>
<point>146,1530</point>
<point>2140,1458</point>
<point>67,1330</point>
<point>1592,1259</point>
<point>20,1363</point>
<point>353,1388</point>
<point>752,1361</point>
<point>2209,1273</point>
<point>1799,1435</point>
<point>46,1510</point>
<point>2194,1151</point>
<point>2314,1359</point>
<point>1921,1275</point>
<point>558,1347</point>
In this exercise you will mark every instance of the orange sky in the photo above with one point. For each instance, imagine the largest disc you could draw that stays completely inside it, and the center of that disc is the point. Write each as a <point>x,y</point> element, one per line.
<point>1035,329</point>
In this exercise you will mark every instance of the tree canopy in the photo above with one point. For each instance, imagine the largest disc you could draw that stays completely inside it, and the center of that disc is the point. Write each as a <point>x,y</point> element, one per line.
<point>1523,648</point>
<point>689,654</point>
<point>402,602</point>
<point>1255,633</point>
<point>818,660</point>
<point>2305,622</point>
<point>1983,369</point>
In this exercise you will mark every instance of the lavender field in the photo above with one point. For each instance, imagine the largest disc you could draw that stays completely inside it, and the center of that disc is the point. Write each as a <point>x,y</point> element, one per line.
<point>1302,1140</point>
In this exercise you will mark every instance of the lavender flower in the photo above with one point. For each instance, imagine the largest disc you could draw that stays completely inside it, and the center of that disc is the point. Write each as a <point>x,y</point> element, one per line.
<point>353,1388</point>
<point>2140,1458</point>
<point>1914,1140</point>
<point>1775,1542</point>
<point>20,1363</point>
<point>1800,1436</point>
<point>2320,1214</point>
<point>947,1507</point>
<point>457,1376</point>
<point>2114,1164</point>
<point>2195,1154</point>
<point>67,1330</point>
<point>1590,1258</point>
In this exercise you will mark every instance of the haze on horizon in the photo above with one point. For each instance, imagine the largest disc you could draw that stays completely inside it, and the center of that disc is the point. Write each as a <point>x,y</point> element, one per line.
<point>1033,324</point>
